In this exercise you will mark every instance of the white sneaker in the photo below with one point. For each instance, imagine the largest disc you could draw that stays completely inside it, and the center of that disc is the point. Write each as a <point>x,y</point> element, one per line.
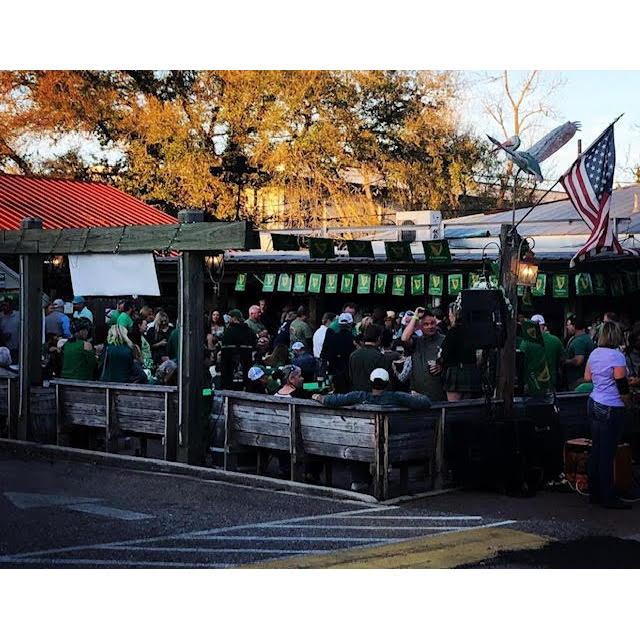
<point>359,486</point>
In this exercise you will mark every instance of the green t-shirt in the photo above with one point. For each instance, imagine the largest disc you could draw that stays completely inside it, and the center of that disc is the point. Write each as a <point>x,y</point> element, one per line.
<point>300,331</point>
<point>113,317</point>
<point>554,351</point>
<point>124,320</point>
<point>581,345</point>
<point>536,375</point>
<point>78,363</point>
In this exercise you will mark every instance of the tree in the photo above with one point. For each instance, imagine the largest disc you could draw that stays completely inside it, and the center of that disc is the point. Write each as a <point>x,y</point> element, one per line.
<point>519,106</point>
<point>321,145</point>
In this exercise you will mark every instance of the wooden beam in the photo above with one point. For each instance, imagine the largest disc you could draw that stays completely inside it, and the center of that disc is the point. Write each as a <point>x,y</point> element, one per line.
<point>509,243</point>
<point>30,328</point>
<point>191,359</point>
<point>197,236</point>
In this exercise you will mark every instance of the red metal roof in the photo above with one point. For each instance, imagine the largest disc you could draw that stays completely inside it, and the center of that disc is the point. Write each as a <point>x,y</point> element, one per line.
<point>64,204</point>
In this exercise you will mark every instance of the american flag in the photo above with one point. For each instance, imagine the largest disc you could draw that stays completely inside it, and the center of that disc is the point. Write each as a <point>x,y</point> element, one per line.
<point>589,185</point>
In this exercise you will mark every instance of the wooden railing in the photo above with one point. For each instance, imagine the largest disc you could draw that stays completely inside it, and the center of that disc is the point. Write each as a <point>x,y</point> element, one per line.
<point>145,411</point>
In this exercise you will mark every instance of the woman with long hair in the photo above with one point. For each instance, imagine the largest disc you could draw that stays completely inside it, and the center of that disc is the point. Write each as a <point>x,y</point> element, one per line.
<point>158,337</point>
<point>118,357</point>
<point>292,383</point>
<point>279,357</point>
<point>606,368</point>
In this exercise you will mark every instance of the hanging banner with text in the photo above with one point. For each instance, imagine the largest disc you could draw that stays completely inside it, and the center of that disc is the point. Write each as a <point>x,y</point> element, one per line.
<point>346,284</point>
<point>417,285</point>
<point>364,283</point>
<point>269,282</point>
<point>241,282</point>
<point>284,282</point>
<point>454,284</point>
<point>436,284</point>
<point>300,283</point>
<point>560,285</point>
<point>584,286</point>
<point>331,283</point>
<point>315,283</point>
<point>398,285</point>
<point>380,285</point>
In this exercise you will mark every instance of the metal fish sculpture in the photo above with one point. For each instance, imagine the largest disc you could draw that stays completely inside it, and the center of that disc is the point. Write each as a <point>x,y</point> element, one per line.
<point>529,160</point>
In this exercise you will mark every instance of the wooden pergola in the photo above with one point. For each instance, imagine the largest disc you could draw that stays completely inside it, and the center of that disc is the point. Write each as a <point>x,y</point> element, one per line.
<point>191,237</point>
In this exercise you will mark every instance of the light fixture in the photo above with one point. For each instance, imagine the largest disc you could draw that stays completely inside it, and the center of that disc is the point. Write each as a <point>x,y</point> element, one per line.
<point>526,267</point>
<point>56,262</point>
<point>215,268</point>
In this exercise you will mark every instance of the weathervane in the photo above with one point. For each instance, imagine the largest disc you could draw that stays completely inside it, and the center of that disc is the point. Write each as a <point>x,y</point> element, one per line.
<point>529,161</point>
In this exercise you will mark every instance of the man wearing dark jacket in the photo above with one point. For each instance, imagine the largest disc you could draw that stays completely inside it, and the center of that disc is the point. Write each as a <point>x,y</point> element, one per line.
<point>336,351</point>
<point>238,342</point>
<point>369,357</point>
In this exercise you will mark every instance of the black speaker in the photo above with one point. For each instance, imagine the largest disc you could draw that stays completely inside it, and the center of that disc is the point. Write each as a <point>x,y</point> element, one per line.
<point>484,317</point>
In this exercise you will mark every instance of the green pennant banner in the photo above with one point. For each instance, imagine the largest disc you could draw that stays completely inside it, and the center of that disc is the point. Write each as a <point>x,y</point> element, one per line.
<point>560,285</point>
<point>599,284</point>
<point>315,283</point>
<point>417,285</point>
<point>454,284</point>
<point>346,285</point>
<point>584,286</point>
<point>364,283</point>
<point>617,288</point>
<point>321,248</point>
<point>284,242</point>
<point>493,281</point>
<point>331,283</point>
<point>437,251</point>
<point>284,282</point>
<point>436,284</point>
<point>380,284</point>
<point>398,251</point>
<point>241,282</point>
<point>527,298</point>
<point>520,290</point>
<point>540,287</point>
<point>360,248</point>
<point>300,283</point>
<point>398,285</point>
<point>474,280</point>
<point>269,282</point>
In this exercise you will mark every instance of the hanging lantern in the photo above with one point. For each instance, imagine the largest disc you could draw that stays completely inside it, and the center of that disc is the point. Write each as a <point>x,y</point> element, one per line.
<point>527,272</point>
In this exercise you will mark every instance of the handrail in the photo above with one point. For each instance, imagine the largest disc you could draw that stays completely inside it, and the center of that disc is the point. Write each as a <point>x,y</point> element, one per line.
<point>122,386</point>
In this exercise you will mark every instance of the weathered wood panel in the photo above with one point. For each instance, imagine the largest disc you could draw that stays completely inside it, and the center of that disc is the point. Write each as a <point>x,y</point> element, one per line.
<point>338,451</point>
<point>4,397</point>
<point>249,425</point>
<point>141,402</point>
<point>261,440</point>
<point>336,436</point>
<point>364,423</point>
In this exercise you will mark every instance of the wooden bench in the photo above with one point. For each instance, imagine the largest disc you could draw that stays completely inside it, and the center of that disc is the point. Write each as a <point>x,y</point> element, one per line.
<point>144,411</point>
<point>378,435</point>
<point>9,398</point>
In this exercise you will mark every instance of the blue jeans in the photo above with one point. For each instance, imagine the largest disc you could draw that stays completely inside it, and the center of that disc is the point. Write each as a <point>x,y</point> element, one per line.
<point>607,425</point>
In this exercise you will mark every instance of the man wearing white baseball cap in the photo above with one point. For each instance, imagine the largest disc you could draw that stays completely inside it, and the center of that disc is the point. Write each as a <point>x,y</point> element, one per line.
<point>553,350</point>
<point>257,380</point>
<point>305,360</point>
<point>378,395</point>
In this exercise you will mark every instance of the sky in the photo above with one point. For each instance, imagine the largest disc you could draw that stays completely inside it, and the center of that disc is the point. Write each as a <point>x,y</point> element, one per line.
<point>595,98</point>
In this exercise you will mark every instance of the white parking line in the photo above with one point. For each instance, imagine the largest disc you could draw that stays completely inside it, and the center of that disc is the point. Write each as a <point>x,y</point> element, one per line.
<point>436,518</point>
<point>355,526</point>
<point>121,563</point>
<point>203,550</point>
<point>294,539</point>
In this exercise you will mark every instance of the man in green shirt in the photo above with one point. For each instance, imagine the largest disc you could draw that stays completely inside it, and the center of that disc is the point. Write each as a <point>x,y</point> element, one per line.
<point>579,348</point>
<point>78,357</point>
<point>369,357</point>
<point>254,323</point>
<point>349,307</point>
<point>553,349</point>
<point>124,318</point>
<point>535,369</point>
<point>300,331</point>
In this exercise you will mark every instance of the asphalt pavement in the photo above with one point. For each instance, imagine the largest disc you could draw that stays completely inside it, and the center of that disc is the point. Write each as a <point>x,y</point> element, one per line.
<point>60,513</point>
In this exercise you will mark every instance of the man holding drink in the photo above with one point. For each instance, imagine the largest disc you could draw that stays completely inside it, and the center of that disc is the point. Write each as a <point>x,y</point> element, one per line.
<point>426,371</point>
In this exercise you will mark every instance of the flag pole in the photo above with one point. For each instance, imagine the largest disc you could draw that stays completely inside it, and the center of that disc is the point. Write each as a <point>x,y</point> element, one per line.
<point>558,180</point>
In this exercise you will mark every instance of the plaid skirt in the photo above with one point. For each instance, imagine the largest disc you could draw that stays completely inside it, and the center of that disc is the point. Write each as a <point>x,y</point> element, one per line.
<point>464,378</point>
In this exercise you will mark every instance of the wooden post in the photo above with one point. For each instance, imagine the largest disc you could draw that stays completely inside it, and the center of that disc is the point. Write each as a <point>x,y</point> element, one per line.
<point>191,351</point>
<point>509,243</point>
<point>437,479</point>
<point>30,328</point>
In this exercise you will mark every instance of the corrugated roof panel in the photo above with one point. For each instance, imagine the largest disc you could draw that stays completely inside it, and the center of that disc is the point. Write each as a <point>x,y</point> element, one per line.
<point>64,204</point>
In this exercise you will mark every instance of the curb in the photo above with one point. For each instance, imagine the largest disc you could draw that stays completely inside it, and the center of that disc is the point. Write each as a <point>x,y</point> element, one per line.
<point>133,463</point>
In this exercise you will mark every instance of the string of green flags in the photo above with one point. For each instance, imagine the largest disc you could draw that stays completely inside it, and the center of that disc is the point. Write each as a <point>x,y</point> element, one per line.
<point>555,285</point>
